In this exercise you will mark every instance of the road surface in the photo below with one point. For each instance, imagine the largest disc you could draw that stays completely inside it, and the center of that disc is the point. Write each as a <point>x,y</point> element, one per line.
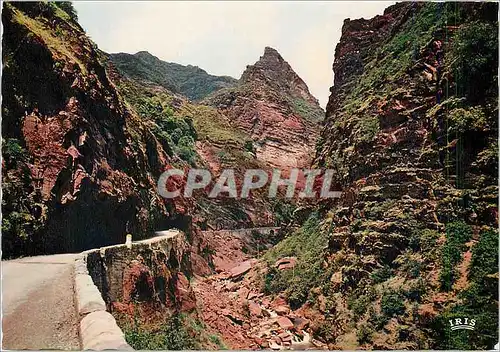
<point>38,308</point>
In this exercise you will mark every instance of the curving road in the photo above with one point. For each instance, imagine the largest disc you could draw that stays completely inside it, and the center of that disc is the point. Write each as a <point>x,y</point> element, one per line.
<point>38,309</point>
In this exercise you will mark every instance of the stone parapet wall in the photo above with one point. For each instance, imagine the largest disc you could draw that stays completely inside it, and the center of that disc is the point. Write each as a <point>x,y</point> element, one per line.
<point>120,274</point>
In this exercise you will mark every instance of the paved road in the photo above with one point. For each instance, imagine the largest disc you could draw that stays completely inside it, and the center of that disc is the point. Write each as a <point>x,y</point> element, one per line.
<point>38,303</point>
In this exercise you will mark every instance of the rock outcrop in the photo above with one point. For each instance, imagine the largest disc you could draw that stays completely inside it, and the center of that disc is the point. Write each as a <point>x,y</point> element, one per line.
<point>80,169</point>
<point>411,135</point>
<point>272,104</point>
<point>148,276</point>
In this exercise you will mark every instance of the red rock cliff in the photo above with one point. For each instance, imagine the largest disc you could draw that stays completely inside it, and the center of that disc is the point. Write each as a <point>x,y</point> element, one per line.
<point>273,105</point>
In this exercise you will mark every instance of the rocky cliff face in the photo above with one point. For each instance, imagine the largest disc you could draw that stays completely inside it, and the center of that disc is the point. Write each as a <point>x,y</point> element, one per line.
<point>147,277</point>
<point>272,104</point>
<point>412,135</point>
<point>79,168</point>
<point>199,136</point>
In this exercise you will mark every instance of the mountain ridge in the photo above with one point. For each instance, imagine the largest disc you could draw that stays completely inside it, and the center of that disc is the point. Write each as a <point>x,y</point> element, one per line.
<point>191,81</point>
<point>273,105</point>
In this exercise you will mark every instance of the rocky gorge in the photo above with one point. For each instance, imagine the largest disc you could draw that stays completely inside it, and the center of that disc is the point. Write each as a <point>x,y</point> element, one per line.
<point>410,130</point>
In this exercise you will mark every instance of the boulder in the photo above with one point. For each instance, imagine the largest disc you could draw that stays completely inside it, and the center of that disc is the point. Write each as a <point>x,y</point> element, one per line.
<point>241,269</point>
<point>243,292</point>
<point>282,310</point>
<point>285,336</point>
<point>286,263</point>
<point>253,295</point>
<point>285,323</point>
<point>300,323</point>
<point>254,309</point>
<point>274,346</point>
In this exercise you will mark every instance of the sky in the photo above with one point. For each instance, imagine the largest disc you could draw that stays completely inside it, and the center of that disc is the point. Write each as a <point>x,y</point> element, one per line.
<point>224,37</point>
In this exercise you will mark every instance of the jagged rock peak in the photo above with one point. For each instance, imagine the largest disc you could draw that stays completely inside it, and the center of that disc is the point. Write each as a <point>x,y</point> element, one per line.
<point>271,65</point>
<point>273,71</point>
<point>271,53</point>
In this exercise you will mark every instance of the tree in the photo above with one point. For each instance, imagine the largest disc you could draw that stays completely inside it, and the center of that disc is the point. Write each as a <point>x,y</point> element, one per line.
<point>67,6</point>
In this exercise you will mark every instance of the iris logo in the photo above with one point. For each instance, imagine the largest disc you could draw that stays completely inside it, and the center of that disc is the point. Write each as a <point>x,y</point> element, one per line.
<point>462,324</point>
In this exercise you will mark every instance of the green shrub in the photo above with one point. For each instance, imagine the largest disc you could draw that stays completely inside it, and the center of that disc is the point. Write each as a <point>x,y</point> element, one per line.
<point>484,260</point>
<point>412,268</point>
<point>364,334</point>
<point>67,6</point>
<point>368,129</point>
<point>176,134</point>
<point>378,320</point>
<point>325,330</point>
<point>461,120</point>
<point>306,110</point>
<point>423,240</point>
<point>273,282</point>
<point>474,52</point>
<point>13,152</point>
<point>249,146</point>
<point>165,141</point>
<point>283,211</point>
<point>185,149</point>
<point>382,274</point>
<point>392,304</point>
<point>403,333</point>
<point>358,305</point>
<point>457,234</point>
<point>173,335</point>
<point>416,290</point>
<point>18,223</point>
<point>217,341</point>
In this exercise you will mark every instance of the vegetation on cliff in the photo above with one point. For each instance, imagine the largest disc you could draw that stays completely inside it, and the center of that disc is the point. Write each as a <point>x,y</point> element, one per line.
<point>74,156</point>
<point>412,137</point>
<point>189,81</point>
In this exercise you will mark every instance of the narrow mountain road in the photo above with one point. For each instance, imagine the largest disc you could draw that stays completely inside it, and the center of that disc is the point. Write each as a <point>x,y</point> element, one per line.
<point>38,303</point>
